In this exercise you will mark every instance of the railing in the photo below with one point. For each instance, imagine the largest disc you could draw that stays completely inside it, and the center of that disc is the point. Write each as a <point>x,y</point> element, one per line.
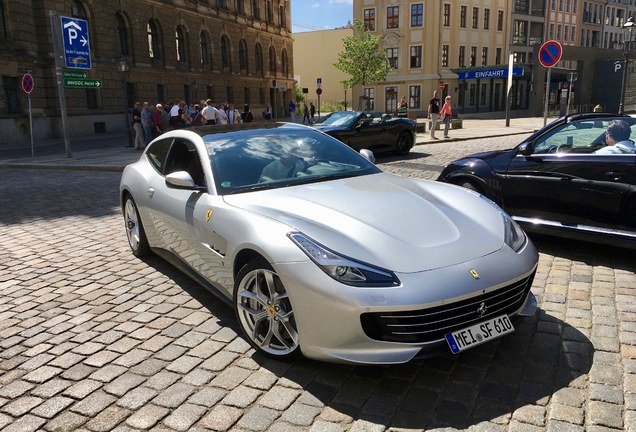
<point>519,39</point>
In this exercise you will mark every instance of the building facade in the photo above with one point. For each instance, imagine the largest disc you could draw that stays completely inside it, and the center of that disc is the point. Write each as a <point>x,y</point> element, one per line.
<point>237,51</point>
<point>430,44</point>
<point>315,53</point>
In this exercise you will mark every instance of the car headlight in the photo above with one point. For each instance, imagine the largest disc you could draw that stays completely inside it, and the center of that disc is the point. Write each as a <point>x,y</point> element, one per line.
<point>514,236</point>
<point>344,270</point>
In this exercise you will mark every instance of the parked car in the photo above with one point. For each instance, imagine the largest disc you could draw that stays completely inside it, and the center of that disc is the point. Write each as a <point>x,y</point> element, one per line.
<point>378,132</point>
<point>319,252</point>
<point>553,182</point>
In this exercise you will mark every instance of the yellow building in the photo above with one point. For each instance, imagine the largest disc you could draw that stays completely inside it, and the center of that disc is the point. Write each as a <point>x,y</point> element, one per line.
<point>315,53</point>
<point>458,46</point>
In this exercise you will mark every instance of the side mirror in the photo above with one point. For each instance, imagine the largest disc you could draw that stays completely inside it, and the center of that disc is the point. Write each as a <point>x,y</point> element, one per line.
<point>524,149</point>
<point>368,155</point>
<point>182,180</point>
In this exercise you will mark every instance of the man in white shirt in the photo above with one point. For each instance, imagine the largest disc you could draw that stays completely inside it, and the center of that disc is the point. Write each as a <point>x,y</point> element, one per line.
<point>209,112</point>
<point>617,139</point>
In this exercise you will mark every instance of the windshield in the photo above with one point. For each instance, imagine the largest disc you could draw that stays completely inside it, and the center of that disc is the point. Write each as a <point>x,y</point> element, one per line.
<point>339,118</point>
<point>248,160</point>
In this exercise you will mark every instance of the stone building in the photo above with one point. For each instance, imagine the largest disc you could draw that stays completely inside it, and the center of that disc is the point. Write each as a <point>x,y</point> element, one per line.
<point>147,50</point>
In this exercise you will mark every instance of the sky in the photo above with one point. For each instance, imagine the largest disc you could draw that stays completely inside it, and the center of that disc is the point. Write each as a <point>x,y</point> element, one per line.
<point>309,15</point>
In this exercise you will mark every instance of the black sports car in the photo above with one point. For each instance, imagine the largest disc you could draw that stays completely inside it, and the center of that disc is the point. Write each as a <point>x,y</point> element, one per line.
<point>559,181</point>
<point>377,132</point>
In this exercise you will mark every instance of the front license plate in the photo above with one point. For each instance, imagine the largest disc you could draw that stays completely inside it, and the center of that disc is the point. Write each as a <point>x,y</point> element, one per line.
<point>477,334</point>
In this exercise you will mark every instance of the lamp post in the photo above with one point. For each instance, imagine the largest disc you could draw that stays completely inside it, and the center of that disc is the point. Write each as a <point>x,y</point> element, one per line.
<point>629,34</point>
<point>122,66</point>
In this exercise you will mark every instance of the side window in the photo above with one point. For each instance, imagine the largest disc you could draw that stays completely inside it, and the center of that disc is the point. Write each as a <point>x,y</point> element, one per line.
<point>583,136</point>
<point>183,156</point>
<point>157,153</point>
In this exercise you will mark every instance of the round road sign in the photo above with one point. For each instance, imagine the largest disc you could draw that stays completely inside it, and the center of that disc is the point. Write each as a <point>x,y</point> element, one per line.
<point>318,91</point>
<point>27,83</point>
<point>550,53</point>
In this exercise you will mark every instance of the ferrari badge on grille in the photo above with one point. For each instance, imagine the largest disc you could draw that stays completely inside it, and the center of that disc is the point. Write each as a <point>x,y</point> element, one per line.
<point>474,273</point>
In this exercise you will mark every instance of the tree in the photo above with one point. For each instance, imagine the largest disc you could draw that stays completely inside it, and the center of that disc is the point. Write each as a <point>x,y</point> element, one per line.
<point>363,58</point>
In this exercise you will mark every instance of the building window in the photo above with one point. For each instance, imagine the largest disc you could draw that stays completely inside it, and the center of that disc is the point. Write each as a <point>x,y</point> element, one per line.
<point>222,4</point>
<point>392,57</point>
<point>161,93</point>
<point>416,56</point>
<point>445,54</point>
<point>122,33</point>
<point>498,54</point>
<point>483,93</point>
<point>225,53</point>
<point>229,93</point>
<point>246,95</point>
<point>261,96</point>
<point>11,95</point>
<point>205,51</point>
<point>256,12</point>
<point>78,10</point>
<point>390,97</point>
<point>558,33</point>
<point>415,97</point>
<point>392,17</point>
<point>91,98</point>
<point>567,5</point>
<point>240,7</point>
<point>154,47</point>
<point>462,56</point>
<point>369,97</point>
<point>369,19</point>
<point>417,15</point>
<point>551,32</point>
<point>462,16</point>
<point>284,63</point>
<point>447,15</point>
<point>500,20</point>
<point>272,61</point>
<point>473,56</point>
<point>484,56</point>
<point>573,33</point>
<point>486,19</point>
<point>575,5</point>
<point>3,23</point>
<point>282,16</point>
<point>180,45</point>
<point>270,11</point>
<point>475,17</point>
<point>553,4</point>
<point>243,64</point>
<point>471,94</point>
<point>566,33</point>
<point>560,5</point>
<point>258,59</point>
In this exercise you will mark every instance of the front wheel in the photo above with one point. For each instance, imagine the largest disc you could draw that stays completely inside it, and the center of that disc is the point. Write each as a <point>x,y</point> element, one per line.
<point>469,184</point>
<point>264,311</point>
<point>134,229</point>
<point>404,143</point>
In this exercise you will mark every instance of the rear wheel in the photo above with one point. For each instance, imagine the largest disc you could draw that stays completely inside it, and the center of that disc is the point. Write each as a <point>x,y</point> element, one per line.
<point>134,229</point>
<point>264,311</point>
<point>404,143</point>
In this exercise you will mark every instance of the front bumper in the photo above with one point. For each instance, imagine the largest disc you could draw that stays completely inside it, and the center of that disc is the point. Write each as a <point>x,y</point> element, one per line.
<point>328,314</point>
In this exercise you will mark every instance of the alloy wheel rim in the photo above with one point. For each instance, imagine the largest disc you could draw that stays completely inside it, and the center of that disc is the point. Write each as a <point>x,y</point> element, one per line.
<point>132,225</point>
<point>266,314</point>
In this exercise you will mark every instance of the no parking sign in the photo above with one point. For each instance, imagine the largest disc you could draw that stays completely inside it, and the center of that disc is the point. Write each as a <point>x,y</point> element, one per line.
<point>27,83</point>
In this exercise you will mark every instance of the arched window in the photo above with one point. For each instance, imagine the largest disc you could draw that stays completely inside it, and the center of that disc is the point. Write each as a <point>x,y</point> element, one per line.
<point>154,45</point>
<point>122,33</point>
<point>258,59</point>
<point>243,55</point>
<point>272,61</point>
<point>256,13</point>
<point>205,49</point>
<point>284,63</point>
<point>225,53</point>
<point>180,41</point>
<point>78,10</point>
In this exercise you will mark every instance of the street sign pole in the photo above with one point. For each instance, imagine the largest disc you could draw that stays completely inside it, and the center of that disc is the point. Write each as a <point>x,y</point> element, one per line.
<point>27,86</point>
<point>547,96</point>
<point>31,125</point>
<point>549,55</point>
<point>58,54</point>
<point>511,60</point>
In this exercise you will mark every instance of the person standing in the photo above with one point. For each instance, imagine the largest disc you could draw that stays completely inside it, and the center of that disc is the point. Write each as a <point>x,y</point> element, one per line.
<point>146,123</point>
<point>233,116</point>
<point>433,113</point>
<point>306,113</point>
<point>267,113</point>
<point>246,115</point>
<point>139,130</point>
<point>312,112</point>
<point>403,108</point>
<point>197,117</point>
<point>446,114</point>
<point>209,112</point>
<point>175,115</point>
<point>158,121</point>
<point>292,111</point>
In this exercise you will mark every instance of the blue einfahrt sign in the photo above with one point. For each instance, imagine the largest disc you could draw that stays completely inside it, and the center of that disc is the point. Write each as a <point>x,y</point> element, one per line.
<point>490,73</point>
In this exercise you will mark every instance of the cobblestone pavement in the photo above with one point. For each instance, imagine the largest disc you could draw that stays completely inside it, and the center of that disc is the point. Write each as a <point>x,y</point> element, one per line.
<point>93,339</point>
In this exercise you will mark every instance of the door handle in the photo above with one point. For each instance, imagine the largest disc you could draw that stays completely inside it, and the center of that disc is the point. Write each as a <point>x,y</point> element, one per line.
<point>614,175</point>
<point>151,192</point>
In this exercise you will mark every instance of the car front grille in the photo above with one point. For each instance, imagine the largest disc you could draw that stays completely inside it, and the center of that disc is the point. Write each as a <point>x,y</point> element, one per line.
<point>429,325</point>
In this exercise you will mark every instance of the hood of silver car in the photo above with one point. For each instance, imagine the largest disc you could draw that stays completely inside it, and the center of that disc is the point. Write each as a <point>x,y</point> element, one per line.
<point>389,221</point>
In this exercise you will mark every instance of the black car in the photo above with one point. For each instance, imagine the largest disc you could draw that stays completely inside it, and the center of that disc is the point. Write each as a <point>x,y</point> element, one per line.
<point>555,183</point>
<point>375,131</point>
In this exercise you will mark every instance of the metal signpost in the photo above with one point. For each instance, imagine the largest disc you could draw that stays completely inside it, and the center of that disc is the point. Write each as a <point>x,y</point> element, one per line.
<point>27,86</point>
<point>549,55</point>
<point>319,92</point>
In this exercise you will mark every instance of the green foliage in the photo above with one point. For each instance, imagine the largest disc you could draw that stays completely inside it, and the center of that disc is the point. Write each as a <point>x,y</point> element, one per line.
<point>363,58</point>
<point>298,93</point>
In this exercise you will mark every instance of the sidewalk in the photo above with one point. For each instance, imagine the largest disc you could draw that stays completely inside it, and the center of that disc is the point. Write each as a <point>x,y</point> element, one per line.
<point>108,152</point>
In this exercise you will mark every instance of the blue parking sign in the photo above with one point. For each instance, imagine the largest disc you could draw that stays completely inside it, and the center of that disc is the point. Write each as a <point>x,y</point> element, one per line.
<point>77,51</point>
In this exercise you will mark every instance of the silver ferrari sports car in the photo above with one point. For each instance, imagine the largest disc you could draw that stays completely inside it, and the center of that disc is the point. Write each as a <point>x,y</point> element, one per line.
<point>319,252</point>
